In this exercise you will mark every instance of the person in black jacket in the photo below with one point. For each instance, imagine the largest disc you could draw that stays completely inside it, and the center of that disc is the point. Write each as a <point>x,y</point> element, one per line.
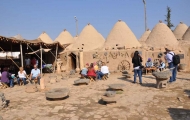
<point>136,60</point>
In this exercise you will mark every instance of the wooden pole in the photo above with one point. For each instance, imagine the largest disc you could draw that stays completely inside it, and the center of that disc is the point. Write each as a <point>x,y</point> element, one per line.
<point>77,27</point>
<point>41,56</point>
<point>145,14</point>
<point>21,54</point>
<point>56,57</point>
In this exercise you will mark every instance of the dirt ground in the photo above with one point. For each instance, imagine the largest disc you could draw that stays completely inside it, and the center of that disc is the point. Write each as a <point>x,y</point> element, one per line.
<point>136,102</point>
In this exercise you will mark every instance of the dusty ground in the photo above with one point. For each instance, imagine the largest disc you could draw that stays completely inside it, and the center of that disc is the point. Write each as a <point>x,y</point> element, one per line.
<point>135,103</point>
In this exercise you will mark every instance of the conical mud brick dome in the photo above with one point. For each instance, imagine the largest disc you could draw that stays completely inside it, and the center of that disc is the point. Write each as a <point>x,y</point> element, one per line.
<point>76,37</point>
<point>161,36</point>
<point>18,37</point>
<point>180,30</point>
<point>121,35</point>
<point>145,36</point>
<point>45,38</point>
<point>89,39</point>
<point>186,36</point>
<point>65,37</point>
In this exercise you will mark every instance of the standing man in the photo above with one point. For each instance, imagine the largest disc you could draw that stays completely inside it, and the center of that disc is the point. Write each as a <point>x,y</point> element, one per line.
<point>169,57</point>
<point>33,61</point>
<point>27,65</point>
<point>35,74</point>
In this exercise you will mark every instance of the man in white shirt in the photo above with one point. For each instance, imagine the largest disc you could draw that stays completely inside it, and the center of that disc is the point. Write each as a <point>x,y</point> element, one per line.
<point>35,74</point>
<point>169,58</point>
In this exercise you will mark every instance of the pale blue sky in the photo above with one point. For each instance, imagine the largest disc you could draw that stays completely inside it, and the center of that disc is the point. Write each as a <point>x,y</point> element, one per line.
<point>31,17</point>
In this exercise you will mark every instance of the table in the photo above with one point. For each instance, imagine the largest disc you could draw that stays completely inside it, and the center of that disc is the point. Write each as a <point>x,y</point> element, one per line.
<point>150,69</point>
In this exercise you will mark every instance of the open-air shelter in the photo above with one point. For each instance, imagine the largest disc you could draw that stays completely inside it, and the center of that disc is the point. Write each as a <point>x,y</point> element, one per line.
<point>27,46</point>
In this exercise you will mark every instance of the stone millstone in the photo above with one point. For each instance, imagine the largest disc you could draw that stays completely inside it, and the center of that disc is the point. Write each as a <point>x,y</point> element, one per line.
<point>125,72</point>
<point>31,88</point>
<point>127,75</point>
<point>110,93</point>
<point>57,93</point>
<point>117,86</point>
<point>163,75</point>
<point>82,81</point>
<point>109,99</point>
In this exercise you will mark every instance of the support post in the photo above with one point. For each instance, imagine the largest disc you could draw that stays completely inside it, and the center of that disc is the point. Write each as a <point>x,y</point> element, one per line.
<point>81,60</point>
<point>77,62</point>
<point>41,57</point>
<point>21,55</point>
<point>56,57</point>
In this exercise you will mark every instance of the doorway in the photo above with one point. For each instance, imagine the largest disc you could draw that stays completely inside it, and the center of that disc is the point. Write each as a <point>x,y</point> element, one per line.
<point>72,62</point>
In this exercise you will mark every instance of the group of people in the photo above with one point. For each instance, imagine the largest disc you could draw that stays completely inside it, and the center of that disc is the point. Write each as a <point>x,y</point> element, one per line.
<point>29,63</point>
<point>137,65</point>
<point>7,78</point>
<point>94,71</point>
<point>150,64</point>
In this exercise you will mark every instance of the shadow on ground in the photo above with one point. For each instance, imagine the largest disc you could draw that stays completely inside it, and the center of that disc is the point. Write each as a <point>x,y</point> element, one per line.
<point>56,99</point>
<point>179,113</point>
<point>101,102</point>
<point>125,79</point>
<point>183,78</point>
<point>187,92</point>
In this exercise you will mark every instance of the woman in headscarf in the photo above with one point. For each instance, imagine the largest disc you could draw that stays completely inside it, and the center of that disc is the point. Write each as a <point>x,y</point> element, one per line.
<point>149,63</point>
<point>6,77</point>
<point>136,60</point>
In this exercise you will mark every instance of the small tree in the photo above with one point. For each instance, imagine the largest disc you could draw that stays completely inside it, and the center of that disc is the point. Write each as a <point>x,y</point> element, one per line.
<point>168,18</point>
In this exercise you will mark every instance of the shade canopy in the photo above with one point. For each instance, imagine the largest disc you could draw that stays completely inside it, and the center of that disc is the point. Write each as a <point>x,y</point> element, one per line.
<point>38,51</point>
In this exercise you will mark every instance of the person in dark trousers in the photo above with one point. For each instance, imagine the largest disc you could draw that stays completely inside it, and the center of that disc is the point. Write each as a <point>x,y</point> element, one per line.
<point>136,60</point>
<point>169,58</point>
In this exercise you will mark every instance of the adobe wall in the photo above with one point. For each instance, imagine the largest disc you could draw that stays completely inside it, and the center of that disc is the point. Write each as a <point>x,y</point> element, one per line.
<point>118,60</point>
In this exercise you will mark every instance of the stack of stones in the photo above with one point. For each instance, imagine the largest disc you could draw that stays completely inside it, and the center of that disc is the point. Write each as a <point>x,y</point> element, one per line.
<point>3,102</point>
<point>110,96</point>
<point>162,78</point>
<point>126,74</point>
<point>82,81</point>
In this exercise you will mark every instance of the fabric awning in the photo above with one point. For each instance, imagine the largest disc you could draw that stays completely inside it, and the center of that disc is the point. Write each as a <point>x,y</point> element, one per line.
<point>38,51</point>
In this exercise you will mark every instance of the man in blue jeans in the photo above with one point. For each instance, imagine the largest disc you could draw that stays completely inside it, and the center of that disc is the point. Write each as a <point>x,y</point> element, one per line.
<point>35,74</point>
<point>169,58</point>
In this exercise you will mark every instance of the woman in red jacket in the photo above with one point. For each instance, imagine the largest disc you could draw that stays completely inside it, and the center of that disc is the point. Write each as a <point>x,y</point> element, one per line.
<point>91,71</point>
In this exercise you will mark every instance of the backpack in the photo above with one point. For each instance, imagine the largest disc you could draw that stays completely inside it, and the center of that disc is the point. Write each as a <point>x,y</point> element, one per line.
<point>175,58</point>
